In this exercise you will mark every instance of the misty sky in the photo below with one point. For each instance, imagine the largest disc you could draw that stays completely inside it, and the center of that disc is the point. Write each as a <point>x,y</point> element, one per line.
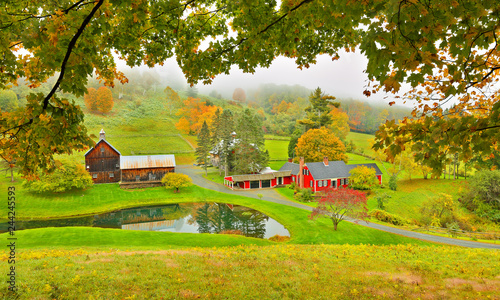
<point>343,78</point>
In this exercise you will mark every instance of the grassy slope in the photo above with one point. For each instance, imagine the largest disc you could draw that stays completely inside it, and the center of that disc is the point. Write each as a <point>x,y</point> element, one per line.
<point>250,272</point>
<point>362,141</point>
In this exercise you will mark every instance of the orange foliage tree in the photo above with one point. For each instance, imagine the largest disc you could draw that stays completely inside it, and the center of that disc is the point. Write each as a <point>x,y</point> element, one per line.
<point>239,95</point>
<point>340,123</point>
<point>315,144</point>
<point>100,100</point>
<point>90,99</point>
<point>193,114</point>
<point>104,100</point>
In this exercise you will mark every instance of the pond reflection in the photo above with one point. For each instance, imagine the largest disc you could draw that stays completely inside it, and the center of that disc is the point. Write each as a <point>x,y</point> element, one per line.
<point>184,217</point>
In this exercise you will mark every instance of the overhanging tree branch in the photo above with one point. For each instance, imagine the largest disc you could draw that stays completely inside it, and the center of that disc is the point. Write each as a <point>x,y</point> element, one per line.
<point>71,45</point>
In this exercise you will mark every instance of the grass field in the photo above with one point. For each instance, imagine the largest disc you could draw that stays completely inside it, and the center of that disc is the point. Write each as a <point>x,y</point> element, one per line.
<point>278,150</point>
<point>253,272</point>
<point>362,141</point>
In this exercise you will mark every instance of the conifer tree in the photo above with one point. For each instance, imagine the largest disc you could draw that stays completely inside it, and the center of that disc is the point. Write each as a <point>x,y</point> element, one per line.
<point>203,146</point>
<point>250,155</point>
<point>227,140</point>
<point>318,112</point>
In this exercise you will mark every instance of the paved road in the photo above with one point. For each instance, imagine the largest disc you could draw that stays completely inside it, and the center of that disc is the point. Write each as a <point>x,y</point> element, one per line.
<point>272,196</point>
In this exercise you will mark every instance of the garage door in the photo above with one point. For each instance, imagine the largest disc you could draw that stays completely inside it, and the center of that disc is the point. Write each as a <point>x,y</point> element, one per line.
<point>266,183</point>
<point>254,184</point>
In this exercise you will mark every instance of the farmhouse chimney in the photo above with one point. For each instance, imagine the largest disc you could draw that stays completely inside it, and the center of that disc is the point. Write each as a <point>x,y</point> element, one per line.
<point>301,172</point>
<point>102,135</point>
<point>289,159</point>
<point>325,161</point>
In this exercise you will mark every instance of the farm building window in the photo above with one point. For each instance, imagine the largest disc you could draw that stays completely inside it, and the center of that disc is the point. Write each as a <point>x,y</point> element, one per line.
<point>117,166</point>
<point>334,184</point>
<point>111,175</point>
<point>347,181</point>
<point>137,178</point>
<point>94,176</point>
<point>320,183</point>
<point>293,179</point>
<point>311,183</point>
<point>102,149</point>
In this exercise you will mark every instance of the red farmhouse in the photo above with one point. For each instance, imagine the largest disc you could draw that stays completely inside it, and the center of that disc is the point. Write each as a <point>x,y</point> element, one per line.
<point>320,175</point>
<point>316,176</point>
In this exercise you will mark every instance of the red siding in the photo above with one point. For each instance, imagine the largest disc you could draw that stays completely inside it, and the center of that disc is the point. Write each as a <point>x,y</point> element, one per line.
<point>379,177</point>
<point>307,178</point>
<point>247,184</point>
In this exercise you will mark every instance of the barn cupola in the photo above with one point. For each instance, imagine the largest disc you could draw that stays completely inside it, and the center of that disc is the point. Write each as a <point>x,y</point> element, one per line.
<point>102,135</point>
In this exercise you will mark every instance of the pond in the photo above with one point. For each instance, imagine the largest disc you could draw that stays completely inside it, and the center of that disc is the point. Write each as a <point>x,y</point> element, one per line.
<point>182,217</point>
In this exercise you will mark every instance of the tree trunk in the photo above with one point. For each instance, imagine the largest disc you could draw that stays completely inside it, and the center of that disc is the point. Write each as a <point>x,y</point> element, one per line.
<point>335,225</point>
<point>12,174</point>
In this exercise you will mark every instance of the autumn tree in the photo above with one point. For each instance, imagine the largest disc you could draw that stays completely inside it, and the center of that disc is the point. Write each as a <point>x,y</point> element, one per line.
<point>193,113</point>
<point>172,98</point>
<point>438,211</point>
<point>363,178</point>
<point>176,181</point>
<point>204,146</point>
<point>416,42</point>
<point>339,123</point>
<point>337,204</point>
<point>239,95</point>
<point>318,110</point>
<point>90,99</point>
<point>315,144</point>
<point>100,100</point>
<point>104,100</point>
<point>68,175</point>
<point>483,195</point>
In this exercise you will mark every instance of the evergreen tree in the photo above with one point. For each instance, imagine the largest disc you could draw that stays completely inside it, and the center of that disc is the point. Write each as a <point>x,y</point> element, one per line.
<point>318,112</point>
<point>204,146</point>
<point>192,91</point>
<point>227,140</point>
<point>250,156</point>
<point>297,133</point>
<point>216,130</point>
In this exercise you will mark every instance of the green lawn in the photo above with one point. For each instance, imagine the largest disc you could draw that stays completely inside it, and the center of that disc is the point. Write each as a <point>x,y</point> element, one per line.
<point>362,141</point>
<point>109,197</point>
<point>277,149</point>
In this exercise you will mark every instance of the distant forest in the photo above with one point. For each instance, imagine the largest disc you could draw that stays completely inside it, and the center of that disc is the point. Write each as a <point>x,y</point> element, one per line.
<point>280,106</point>
<point>285,105</point>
